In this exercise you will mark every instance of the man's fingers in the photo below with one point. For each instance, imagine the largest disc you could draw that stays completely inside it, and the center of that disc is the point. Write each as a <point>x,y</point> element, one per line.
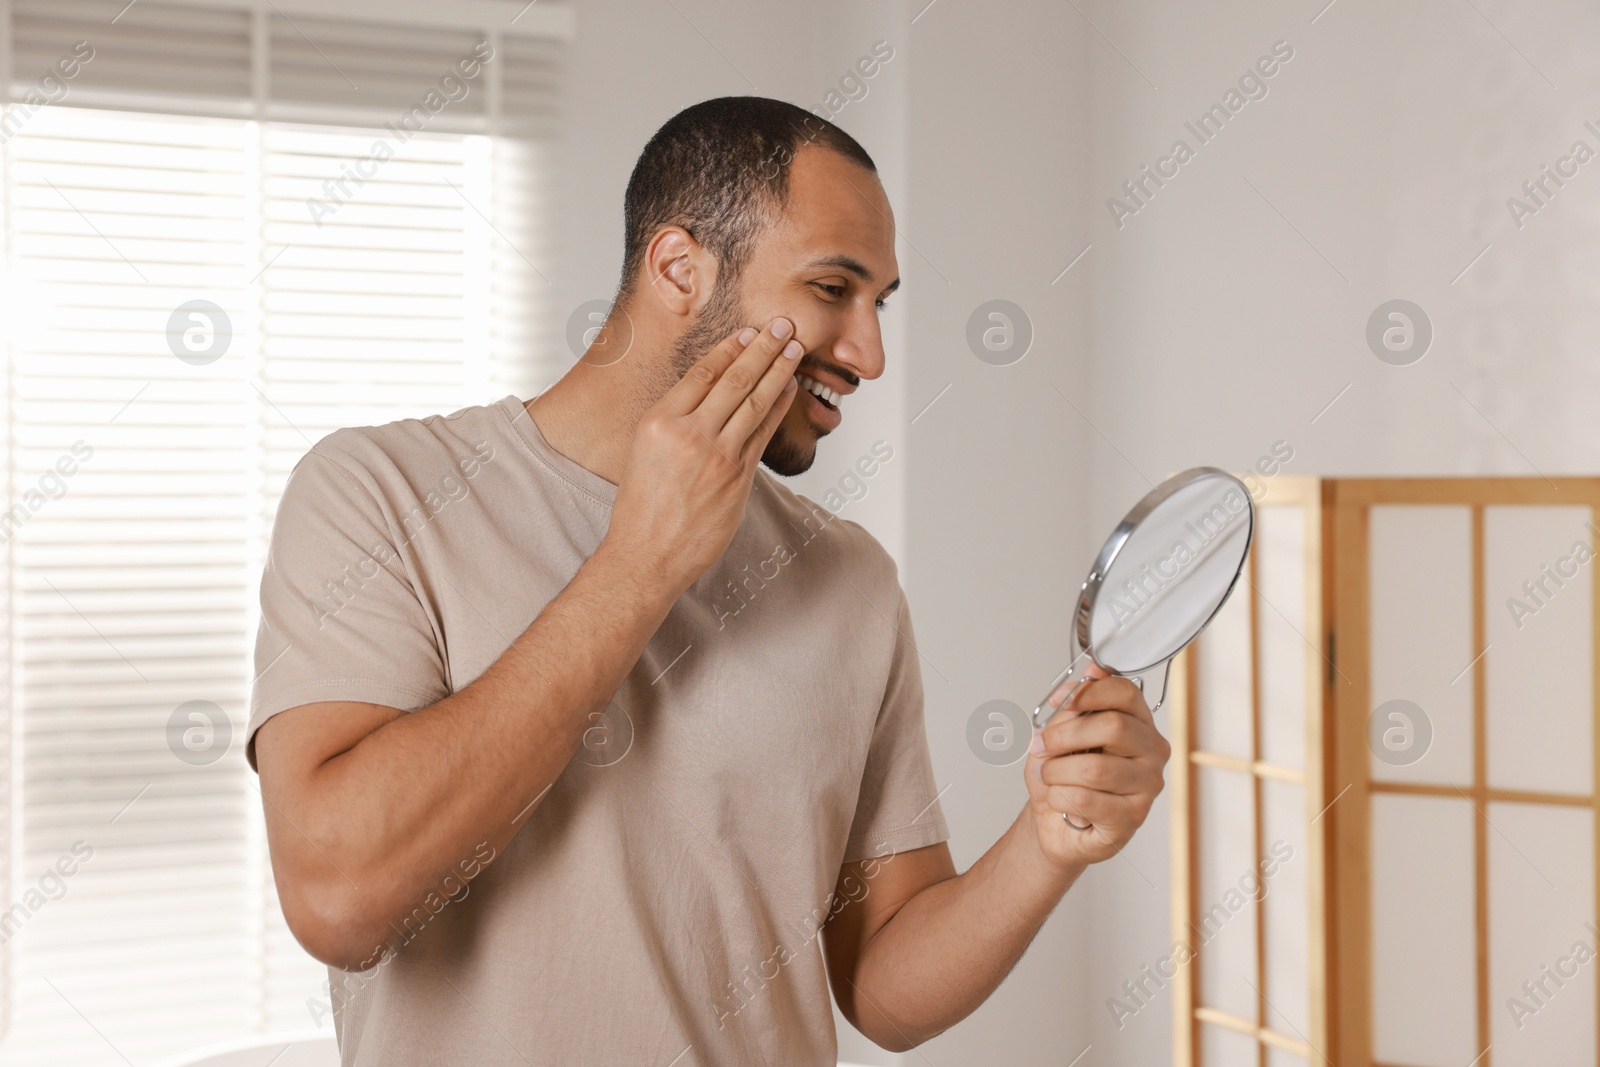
<point>689,391</point>
<point>1063,692</point>
<point>745,373</point>
<point>1111,693</point>
<point>752,448</point>
<point>1086,805</point>
<point>752,413</point>
<point>1118,733</point>
<point>1097,771</point>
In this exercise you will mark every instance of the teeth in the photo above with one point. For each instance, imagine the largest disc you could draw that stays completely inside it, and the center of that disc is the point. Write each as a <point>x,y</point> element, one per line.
<point>811,385</point>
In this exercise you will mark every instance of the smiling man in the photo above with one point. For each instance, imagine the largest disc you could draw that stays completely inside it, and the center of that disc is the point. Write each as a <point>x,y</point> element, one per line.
<point>532,794</point>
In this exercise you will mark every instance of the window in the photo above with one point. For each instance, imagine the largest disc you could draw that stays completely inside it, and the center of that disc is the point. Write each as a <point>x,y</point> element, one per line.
<point>229,230</point>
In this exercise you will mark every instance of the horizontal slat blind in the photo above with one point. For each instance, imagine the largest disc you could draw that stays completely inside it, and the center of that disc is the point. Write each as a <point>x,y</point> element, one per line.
<point>136,586</point>
<point>367,307</point>
<point>524,355</point>
<point>199,58</point>
<point>354,290</point>
<point>335,68</point>
<point>530,72</point>
<point>133,585</point>
<point>154,57</point>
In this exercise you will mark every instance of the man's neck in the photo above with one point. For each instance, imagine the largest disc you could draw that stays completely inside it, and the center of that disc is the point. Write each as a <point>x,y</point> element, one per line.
<point>590,414</point>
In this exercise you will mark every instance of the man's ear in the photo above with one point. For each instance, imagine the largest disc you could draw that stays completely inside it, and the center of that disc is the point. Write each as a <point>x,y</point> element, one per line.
<point>682,274</point>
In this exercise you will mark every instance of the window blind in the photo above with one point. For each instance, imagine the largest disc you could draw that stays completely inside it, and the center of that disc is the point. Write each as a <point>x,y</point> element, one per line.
<point>206,270</point>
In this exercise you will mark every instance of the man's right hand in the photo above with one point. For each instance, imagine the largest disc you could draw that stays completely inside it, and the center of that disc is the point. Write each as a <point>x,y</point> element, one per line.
<point>695,452</point>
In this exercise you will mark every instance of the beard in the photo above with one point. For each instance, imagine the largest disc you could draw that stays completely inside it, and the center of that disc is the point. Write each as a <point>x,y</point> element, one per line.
<point>723,314</point>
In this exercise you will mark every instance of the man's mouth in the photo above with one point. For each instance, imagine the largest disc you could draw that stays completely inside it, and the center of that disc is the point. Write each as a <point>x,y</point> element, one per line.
<point>830,398</point>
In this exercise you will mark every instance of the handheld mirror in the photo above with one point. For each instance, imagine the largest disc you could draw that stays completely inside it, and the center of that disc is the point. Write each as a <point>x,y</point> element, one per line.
<point>1160,578</point>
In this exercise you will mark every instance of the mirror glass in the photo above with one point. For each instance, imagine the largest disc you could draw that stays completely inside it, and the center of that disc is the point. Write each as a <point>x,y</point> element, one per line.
<point>1180,553</point>
<point>1160,578</point>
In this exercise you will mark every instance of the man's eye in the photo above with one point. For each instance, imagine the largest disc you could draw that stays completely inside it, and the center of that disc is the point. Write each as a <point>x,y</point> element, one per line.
<point>834,291</point>
<point>882,306</point>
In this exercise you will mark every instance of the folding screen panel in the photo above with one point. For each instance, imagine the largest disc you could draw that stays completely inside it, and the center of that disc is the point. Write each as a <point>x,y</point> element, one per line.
<point>1247,787</point>
<point>1464,753</point>
<point>1433,899</point>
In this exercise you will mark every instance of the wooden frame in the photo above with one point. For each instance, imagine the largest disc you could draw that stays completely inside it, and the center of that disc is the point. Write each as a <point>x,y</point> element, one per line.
<point>1191,1014</point>
<point>1337,779</point>
<point>1351,503</point>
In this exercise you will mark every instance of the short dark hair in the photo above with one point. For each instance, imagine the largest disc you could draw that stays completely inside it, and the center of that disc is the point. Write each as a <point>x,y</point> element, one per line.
<point>720,169</point>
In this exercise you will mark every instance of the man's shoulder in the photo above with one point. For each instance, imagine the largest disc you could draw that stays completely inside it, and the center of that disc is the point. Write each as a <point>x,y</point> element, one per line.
<point>436,443</point>
<point>813,526</point>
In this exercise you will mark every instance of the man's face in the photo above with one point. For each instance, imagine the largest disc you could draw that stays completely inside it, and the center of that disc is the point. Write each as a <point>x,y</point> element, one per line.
<point>824,266</point>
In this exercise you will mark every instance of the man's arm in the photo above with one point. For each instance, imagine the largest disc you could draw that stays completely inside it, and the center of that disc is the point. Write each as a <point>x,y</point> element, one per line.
<point>369,810</point>
<point>921,947</point>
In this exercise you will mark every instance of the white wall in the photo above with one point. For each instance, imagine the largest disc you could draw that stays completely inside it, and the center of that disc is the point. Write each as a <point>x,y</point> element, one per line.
<point>1000,479</point>
<point>1390,143</point>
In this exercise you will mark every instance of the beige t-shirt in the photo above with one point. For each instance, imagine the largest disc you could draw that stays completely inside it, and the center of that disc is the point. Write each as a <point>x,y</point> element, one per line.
<point>661,904</point>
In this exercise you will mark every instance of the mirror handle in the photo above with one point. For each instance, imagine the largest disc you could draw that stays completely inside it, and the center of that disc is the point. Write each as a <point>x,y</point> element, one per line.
<point>1043,713</point>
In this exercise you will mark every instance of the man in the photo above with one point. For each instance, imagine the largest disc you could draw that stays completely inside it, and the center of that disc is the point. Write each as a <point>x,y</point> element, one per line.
<point>662,714</point>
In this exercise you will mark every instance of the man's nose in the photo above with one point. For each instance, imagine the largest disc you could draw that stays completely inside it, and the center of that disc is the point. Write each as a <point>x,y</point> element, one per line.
<point>860,346</point>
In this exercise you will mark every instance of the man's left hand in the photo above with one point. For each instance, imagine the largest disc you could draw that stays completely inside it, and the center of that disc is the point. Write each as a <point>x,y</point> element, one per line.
<point>1098,761</point>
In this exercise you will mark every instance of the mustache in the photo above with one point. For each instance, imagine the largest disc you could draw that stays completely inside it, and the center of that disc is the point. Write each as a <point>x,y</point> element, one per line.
<point>810,361</point>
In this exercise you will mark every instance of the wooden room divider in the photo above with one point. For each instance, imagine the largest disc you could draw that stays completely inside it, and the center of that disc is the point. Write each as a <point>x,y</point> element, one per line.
<point>1384,782</point>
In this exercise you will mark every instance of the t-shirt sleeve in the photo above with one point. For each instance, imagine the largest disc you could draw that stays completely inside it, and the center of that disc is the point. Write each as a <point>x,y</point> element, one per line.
<point>898,807</point>
<point>340,615</point>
